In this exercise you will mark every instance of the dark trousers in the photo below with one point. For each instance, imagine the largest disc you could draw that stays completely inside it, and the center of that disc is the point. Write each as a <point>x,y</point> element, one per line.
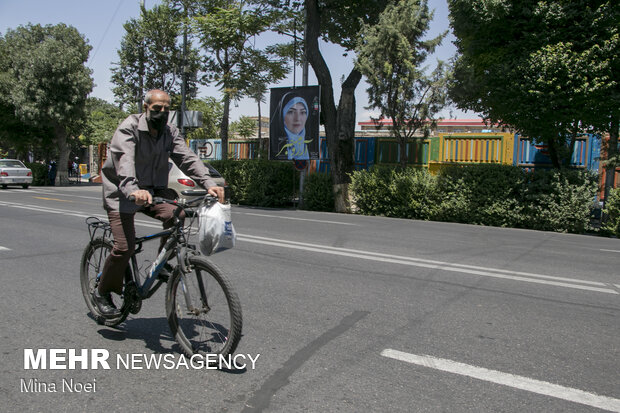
<point>124,234</point>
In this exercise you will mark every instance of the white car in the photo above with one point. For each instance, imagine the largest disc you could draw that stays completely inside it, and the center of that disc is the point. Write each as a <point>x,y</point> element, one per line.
<point>178,181</point>
<point>13,172</point>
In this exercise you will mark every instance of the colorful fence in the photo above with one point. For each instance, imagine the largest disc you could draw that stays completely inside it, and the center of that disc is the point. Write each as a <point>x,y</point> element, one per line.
<point>530,153</point>
<point>434,153</point>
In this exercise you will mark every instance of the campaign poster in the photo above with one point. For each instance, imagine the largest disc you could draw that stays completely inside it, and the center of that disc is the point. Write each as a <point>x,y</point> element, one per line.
<point>294,123</point>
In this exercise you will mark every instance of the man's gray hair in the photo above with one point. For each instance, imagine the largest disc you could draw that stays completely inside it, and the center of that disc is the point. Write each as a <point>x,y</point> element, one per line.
<point>148,98</point>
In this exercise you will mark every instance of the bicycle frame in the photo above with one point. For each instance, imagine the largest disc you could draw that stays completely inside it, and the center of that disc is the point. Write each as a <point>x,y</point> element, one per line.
<point>144,289</point>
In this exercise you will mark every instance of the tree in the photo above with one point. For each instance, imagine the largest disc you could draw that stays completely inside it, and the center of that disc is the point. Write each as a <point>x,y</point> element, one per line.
<point>103,119</point>
<point>399,87</point>
<point>150,57</point>
<point>49,81</point>
<point>244,127</point>
<point>212,110</point>
<point>232,58</point>
<point>338,22</point>
<point>541,68</point>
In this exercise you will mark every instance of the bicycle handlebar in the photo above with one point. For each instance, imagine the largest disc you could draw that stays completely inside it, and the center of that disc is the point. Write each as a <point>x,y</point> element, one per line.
<point>200,195</point>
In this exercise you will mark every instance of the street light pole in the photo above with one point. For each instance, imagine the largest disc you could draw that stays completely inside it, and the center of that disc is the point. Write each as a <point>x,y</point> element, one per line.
<point>184,76</point>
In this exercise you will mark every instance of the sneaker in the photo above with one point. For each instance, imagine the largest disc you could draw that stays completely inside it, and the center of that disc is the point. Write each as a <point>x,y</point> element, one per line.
<point>105,305</point>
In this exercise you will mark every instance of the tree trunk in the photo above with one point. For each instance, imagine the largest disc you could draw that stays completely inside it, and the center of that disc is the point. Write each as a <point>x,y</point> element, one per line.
<point>612,151</point>
<point>224,126</point>
<point>339,123</point>
<point>261,146</point>
<point>343,162</point>
<point>402,143</point>
<point>62,177</point>
<point>554,153</point>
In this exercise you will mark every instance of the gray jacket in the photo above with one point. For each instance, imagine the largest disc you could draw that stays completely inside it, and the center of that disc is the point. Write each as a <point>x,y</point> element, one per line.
<point>136,160</point>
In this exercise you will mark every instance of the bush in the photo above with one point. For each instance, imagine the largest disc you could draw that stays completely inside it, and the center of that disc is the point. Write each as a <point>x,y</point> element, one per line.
<point>559,200</point>
<point>481,194</point>
<point>497,195</point>
<point>370,190</point>
<point>394,192</point>
<point>39,173</point>
<point>612,212</point>
<point>259,182</point>
<point>318,193</point>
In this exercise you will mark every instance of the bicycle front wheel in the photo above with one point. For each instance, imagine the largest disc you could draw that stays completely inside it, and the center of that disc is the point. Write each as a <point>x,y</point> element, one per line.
<point>204,312</point>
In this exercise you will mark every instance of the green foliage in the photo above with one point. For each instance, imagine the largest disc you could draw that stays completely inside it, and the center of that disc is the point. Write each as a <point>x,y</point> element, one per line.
<point>212,110</point>
<point>259,183</point>
<point>497,195</point>
<point>395,192</point>
<point>151,57</point>
<point>398,85</point>
<point>612,211</point>
<point>103,119</point>
<point>50,82</point>
<point>559,200</point>
<point>232,61</point>
<point>39,173</point>
<point>545,68</point>
<point>244,127</point>
<point>45,68</point>
<point>318,193</point>
<point>481,194</point>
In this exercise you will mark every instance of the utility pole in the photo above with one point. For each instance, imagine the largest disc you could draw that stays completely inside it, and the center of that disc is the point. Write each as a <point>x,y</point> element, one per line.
<point>140,96</point>
<point>184,75</point>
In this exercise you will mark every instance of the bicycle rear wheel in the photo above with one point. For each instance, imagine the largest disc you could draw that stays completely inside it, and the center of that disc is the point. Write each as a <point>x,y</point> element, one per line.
<point>204,312</point>
<point>93,258</point>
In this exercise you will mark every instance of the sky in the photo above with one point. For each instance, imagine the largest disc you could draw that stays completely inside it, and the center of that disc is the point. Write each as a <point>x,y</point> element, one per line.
<point>101,23</point>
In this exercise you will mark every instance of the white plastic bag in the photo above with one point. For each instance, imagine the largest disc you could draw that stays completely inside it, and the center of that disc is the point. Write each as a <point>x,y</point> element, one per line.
<point>216,231</point>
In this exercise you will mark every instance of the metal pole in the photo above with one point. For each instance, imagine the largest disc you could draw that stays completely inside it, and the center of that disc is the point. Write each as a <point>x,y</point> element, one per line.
<point>184,76</point>
<point>304,79</point>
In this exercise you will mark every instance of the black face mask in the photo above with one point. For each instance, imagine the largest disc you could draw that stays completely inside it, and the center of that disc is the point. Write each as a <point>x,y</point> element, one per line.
<point>158,120</point>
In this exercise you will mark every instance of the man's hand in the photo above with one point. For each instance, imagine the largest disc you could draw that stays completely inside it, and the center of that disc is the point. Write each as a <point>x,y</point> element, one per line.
<point>217,191</point>
<point>142,196</point>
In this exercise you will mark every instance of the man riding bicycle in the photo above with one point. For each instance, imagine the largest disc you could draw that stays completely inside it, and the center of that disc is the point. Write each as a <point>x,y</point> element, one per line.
<point>137,167</point>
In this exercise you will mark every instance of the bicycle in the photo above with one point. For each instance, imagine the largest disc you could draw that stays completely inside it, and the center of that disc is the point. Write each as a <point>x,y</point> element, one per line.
<point>202,308</point>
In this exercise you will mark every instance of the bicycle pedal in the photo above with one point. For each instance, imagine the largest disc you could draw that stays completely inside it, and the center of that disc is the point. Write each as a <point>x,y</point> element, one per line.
<point>163,277</point>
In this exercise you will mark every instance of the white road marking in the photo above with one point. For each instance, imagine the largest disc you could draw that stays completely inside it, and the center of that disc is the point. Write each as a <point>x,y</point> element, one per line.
<point>38,208</point>
<point>375,256</point>
<point>507,379</point>
<point>609,250</point>
<point>297,219</point>
<point>440,265</point>
<point>5,249</point>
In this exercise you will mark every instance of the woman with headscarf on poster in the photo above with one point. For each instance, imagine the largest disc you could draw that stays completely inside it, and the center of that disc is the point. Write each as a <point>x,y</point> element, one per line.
<point>294,115</point>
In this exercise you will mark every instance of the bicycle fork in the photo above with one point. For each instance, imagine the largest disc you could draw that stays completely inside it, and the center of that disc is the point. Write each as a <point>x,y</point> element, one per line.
<point>203,305</point>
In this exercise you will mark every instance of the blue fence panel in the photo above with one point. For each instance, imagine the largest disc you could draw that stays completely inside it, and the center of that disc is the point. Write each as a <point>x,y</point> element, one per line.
<point>529,153</point>
<point>207,149</point>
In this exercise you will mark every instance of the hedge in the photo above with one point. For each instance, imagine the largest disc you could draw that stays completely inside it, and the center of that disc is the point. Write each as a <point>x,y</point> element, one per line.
<point>259,183</point>
<point>495,195</point>
<point>612,213</point>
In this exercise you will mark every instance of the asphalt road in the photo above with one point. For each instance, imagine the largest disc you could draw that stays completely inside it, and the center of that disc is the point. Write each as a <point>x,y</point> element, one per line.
<point>345,314</point>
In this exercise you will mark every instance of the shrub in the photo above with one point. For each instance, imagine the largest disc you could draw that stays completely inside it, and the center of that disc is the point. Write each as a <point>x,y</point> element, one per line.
<point>370,190</point>
<point>259,182</point>
<point>498,195</point>
<point>394,192</point>
<point>559,200</point>
<point>39,173</point>
<point>318,193</point>
<point>612,212</point>
<point>481,194</point>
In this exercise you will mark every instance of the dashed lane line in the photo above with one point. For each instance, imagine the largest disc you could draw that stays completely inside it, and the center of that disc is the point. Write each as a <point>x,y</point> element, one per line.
<point>507,379</point>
